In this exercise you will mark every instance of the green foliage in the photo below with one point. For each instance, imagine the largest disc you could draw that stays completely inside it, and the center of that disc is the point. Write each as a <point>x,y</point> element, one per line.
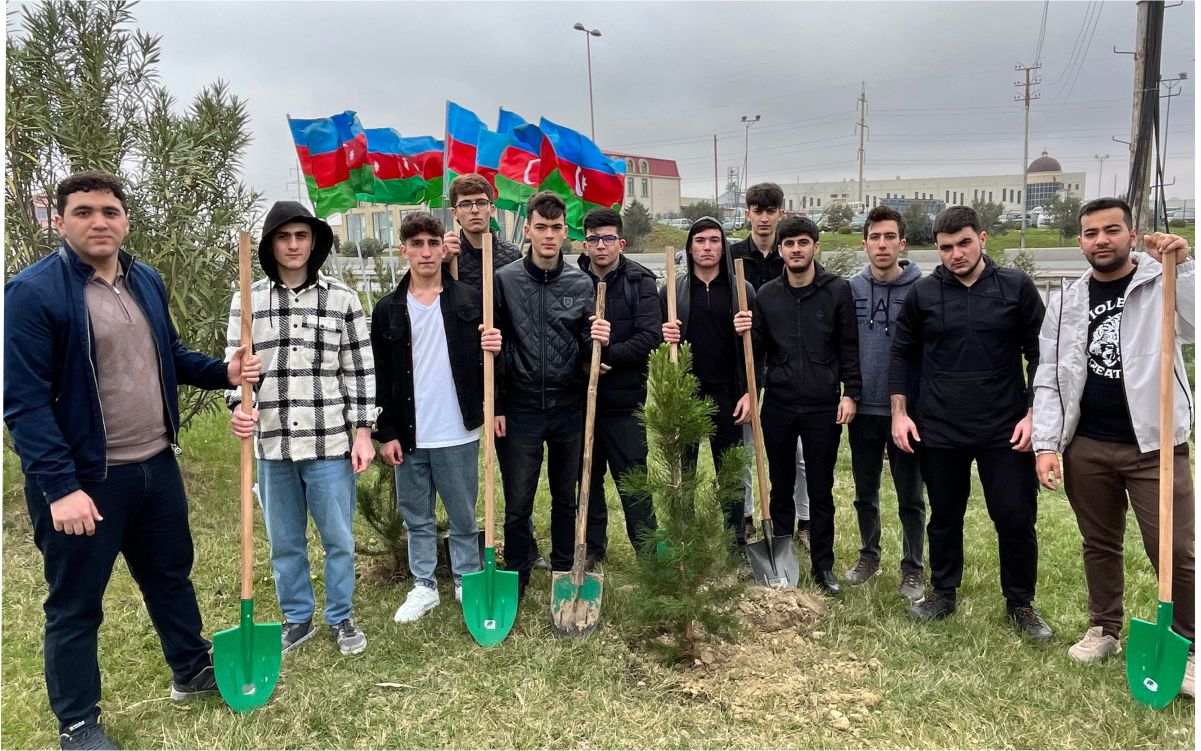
<point>350,249</point>
<point>990,216</point>
<point>917,225</point>
<point>689,586</point>
<point>83,94</point>
<point>1178,223</point>
<point>837,216</point>
<point>377,505</point>
<point>841,262</point>
<point>636,224</point>
<point>694,211</point>
<point>1063,213</point>
<point>1024,260</point>
<point>370,247</point>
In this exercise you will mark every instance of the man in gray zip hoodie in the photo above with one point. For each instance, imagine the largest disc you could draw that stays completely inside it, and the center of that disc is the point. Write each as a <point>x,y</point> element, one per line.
<point>879,291</point>
<point>1096,399</point>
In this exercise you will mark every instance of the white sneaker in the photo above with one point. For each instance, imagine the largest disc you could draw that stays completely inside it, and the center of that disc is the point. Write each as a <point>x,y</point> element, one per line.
<point>1189,686</point>
<point>420,601</point>
<point>1094,647</point>
<point>458,592</point>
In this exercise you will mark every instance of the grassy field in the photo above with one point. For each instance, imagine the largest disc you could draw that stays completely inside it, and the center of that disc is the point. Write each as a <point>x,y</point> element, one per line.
<point>862,676</point>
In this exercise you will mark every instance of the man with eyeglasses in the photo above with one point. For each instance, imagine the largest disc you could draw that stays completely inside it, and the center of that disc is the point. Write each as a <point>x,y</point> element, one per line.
<point>761,262</point>
<point>632,309</point>
<point>544,310</point>
<point>471,205</point>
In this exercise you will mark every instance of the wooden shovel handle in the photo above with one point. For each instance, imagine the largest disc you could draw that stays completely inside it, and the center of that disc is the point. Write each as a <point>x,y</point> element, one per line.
<point>489,397</point>
<point>581,516</point>
<point>246,315</point>
<point>669,272</point>
<point>748,358</point>
<point>1167,351</point>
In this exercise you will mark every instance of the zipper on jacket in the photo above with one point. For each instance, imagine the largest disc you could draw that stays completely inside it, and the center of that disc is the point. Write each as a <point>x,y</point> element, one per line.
<point>542,340</point>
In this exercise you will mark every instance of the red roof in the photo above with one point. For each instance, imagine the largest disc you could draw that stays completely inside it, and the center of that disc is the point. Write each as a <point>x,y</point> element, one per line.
<point>654,167</point>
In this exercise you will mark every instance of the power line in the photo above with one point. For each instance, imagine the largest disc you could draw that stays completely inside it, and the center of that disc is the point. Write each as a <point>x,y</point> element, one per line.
<point>1042,34</point>
<point>1088,12</point>
<point>1083,59</point>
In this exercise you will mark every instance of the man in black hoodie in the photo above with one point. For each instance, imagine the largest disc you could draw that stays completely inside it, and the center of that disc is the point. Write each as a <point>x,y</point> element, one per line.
<point>632,309</point>
<point>969,324</point>
<point>543,310</point>
<point>706,300</point>
<point>804,327</point>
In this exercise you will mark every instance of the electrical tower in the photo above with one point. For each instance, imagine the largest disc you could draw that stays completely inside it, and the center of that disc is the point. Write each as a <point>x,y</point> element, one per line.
<point>1026,97</point>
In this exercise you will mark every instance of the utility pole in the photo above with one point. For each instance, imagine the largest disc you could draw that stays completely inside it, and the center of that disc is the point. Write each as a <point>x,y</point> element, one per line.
<point>1146,86</point>
<point>1100,169</point>
<point>862,125</point>
<point>716,192</point>
<point>1173,85</point>
<point>1026,97</point>
<point>298,180</point>
<point>747,122</point>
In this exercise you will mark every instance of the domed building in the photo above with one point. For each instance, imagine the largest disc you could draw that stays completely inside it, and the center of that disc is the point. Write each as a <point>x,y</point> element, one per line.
<point>1044,178</point>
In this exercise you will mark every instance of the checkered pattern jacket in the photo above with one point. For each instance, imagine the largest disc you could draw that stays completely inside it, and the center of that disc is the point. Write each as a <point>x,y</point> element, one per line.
<point>318,378</point>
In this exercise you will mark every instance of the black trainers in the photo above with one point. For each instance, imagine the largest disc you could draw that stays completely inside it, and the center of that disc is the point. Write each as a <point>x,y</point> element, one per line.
<point>827,583</point>
<point>540,564</point>
<point>203,684</point>
<point>295,634</point>
<point>864,569</point>
<point>913,586</point>
<point>932,607</point>
<point>1031,624</point>
<point>86,734</point>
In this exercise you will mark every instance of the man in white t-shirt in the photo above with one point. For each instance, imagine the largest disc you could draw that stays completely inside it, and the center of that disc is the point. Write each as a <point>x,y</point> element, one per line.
<point>428,340</point>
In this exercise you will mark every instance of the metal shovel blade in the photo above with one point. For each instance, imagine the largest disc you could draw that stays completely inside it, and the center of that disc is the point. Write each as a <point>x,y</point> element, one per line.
<point>1155,659</point>
<point>575,609</point>
<point>246,661</point>
<point>773,561</point>
<point>490,602</point>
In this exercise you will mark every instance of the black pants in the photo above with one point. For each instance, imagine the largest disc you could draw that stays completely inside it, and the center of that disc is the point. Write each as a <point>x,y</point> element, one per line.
<point>819,435</point>
<point>520,457</point>
<point>1011,495</point>
<point>870,436</point>
<point>145,515</point>
<point>620,444</point>
<point>725,436</point>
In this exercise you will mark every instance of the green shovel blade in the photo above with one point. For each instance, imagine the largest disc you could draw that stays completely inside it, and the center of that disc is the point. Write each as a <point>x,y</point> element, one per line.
<point>1155,659</point>
<point>490,602</point>
<point>575,610</point>
<point>246,661</point>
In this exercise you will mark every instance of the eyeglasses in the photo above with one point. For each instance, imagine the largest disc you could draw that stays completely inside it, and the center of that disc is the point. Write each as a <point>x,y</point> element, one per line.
<point>595,240</point>
<point>479,203</point>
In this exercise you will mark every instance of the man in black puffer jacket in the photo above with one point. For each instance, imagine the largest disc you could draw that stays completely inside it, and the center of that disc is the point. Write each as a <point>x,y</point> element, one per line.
<point>632,309</point>
<point>543,309</point>
<point>971,323</point>
<point>471,198</point>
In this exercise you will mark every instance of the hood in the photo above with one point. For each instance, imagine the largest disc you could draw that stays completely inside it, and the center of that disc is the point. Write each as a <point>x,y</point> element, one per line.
<point>707,222</point>
<point>910,273</point>
<point>281,213</point>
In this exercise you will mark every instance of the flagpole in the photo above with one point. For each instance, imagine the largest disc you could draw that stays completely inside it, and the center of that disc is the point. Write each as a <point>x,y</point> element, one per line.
<point>449,215</point>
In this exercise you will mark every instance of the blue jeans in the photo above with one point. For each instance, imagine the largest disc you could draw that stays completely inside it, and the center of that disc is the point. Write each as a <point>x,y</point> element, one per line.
<point>289,491</point>
<point>452,471</point>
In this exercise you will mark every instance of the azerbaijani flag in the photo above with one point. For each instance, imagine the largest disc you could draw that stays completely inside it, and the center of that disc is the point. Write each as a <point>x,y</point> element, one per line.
<point>332,153</point>
<point>462,140</point>
<point>520,170</point>
<point>507,122</point>
<point>594,178</point>
<point>487,156</point>
<point>404,169</point>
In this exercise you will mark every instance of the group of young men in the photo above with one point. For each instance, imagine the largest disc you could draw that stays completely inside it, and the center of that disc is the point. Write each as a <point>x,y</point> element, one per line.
<point>924,370</point>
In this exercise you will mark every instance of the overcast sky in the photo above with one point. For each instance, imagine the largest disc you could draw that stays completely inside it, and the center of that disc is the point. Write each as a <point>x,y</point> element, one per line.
<point>668,75</point>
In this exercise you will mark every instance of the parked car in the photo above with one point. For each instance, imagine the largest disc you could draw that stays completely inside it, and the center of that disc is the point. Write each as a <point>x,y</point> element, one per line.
<point>681,223</point>
<point>727,224</point>
<point>858,221</point>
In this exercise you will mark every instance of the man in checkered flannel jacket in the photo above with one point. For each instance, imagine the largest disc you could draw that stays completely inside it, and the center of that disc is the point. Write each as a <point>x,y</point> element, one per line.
<point>315,410</point>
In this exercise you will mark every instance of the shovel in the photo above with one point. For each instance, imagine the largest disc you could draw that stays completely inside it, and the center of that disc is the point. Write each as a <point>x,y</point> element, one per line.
<point>773,561</point>
<point>246,658</point>
<point>489,595</point>
<point>575,597</point>
<point>1155,654</point>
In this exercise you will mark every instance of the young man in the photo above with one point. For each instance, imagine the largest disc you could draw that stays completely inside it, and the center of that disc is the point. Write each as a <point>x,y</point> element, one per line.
<point>706,301</point>
<point>314,413</point>
<point>92,364</point>
<point>427,340</point>
<point>879,291</point>
<point>803,327</point>
<point>632,309</point>
<point>1096,399</point>
<point>543,309</point>
<point>969,324</point>
<point>760,252</point>
<point>471,205</point>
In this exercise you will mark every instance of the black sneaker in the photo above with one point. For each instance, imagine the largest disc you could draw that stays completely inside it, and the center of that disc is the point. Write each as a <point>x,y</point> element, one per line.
<point>86,734</point>
<point>827,583</point>
<point>864,569</point>
<point>932,607</point>
<point>540,564</point>
<point>203,684</point>
<point>913,586</point>
<point>295,634</point>
<point>1031,624</point>
<point>350,638</point>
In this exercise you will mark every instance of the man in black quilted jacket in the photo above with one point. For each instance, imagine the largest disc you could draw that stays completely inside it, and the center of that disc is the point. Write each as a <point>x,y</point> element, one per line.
<point>544,309</point>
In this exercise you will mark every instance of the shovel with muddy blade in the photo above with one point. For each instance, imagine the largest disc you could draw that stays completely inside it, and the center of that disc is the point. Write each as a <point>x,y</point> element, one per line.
<point>575,596</point>
<point>773,560</point>
<point>489,595</point>
<point>246,658</point>
<point>1156,656</point>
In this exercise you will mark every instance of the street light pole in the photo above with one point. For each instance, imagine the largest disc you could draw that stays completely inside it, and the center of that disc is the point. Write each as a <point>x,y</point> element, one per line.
<point>1100,169</point>
<point>747,122</point>
<point>588,34</point>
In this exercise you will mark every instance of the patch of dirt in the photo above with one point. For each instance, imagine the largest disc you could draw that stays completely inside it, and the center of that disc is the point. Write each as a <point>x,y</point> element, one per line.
<point>774,610</point>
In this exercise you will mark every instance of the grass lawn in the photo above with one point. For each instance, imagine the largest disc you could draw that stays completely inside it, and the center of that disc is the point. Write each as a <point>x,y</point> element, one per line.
<point>863,677</point>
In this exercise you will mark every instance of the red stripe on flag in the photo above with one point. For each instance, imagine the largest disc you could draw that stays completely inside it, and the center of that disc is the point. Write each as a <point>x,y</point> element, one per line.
<point>460,157</point>
<point>329,169</point>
